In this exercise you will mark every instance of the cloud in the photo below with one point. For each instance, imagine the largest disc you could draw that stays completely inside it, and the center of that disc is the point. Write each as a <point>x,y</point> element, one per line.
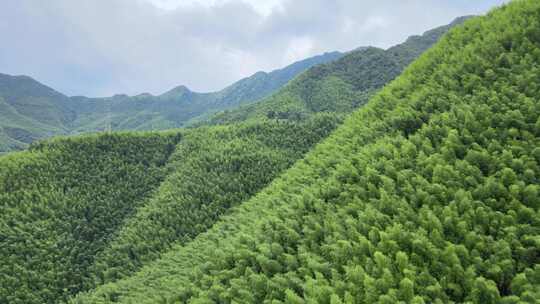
<point>262,7</point>
<point>102,47</point>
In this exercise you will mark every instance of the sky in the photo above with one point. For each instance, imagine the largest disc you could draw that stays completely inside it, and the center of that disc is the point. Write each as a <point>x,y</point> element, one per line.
<point>106,47</point>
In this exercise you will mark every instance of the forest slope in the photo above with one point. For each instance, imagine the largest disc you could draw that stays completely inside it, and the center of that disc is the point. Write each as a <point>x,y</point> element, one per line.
<point>189,203</point>
<point>91,209</point>
<point>212,170</point>
<point>62,199</point>
<point>428,194</point>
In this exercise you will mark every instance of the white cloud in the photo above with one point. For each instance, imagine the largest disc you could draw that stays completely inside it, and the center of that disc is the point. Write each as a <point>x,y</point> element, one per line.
<point>102,47</point>
<point>263,7</point>
<point>298,49</point>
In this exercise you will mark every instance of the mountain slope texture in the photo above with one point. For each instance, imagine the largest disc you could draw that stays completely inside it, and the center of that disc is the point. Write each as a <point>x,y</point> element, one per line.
<point>428,194</point>
<point>212,170</point>
<point>210,152</point>
<point>61,199</point>
<point>91,209</point>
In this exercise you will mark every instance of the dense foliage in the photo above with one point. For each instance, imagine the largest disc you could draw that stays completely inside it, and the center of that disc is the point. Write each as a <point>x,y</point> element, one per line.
<point>31,111</point>
<point>428,194</point>
<point>62,199</point>
<point>339,86</point>
<point>195,193</point>
<point>212,170</point>
<point>92,209</point>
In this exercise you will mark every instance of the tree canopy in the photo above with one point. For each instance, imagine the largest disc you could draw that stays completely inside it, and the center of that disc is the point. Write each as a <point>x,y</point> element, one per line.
<point>428,194</point>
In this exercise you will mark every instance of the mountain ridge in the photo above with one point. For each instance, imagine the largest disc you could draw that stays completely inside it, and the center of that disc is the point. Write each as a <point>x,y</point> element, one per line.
<point>65,115</point>
<point>348,81</point>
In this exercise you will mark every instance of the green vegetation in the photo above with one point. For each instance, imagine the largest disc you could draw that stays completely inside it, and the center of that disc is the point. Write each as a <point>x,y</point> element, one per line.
<point>340,86</point>
<point>60,202</point>
<point>28,111</point>
<point>31,111</point>
<point>92,209</point>
<point>199,189</point>
<point>428,194</point>
<point>212,170</point>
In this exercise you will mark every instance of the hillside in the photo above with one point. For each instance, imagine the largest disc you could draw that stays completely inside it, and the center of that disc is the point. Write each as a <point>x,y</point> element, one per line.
<point>60,202</point>
<point>339,86</point>
<point>428,194</point>
<point>80,211</point>
<point>30,110</point>
<point>211,170</point>
<point>165,221</point>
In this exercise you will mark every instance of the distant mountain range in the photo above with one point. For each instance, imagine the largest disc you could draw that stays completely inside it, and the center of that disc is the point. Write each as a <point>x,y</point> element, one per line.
<point>332,82</point>
<point>339,86</point>
<point>30,110</point>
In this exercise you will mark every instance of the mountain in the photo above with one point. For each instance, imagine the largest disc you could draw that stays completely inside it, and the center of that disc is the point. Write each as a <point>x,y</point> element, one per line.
<point>142,239</point>
<point>32,111</point>
<point>79,208</point>
<point>339,86</point>
<point>176,207</point>
<point>181,106</point>
<point>29,111</point>
<point>80,217</point>
<point>427,194</point>
<point>263,84</point>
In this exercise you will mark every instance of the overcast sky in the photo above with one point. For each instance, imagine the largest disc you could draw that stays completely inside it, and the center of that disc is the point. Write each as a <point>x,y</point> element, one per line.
<point>103,47</point>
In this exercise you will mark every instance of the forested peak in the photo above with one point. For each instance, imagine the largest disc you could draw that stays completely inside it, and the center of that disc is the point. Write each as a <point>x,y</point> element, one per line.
<point>15,86</point>
<point>436,32</point>
<point>260,74</point>
<point>461,19</point>
<point>143,95</point>
<point>176,92</point>
<point>414,46</point>
<point>419,42</point>
<point>318,59</point>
